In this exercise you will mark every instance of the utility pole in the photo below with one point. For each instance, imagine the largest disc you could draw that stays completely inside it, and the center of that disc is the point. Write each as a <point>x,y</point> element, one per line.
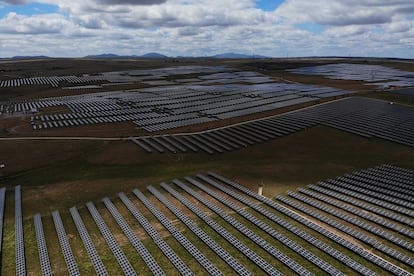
<point>2,166</point>
<point>260,191</point>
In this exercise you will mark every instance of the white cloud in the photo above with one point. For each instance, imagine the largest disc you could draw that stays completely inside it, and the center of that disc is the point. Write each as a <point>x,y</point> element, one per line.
<point>206,27</point>
<point>341,13</point>
<point>130,2</point>
<point>16,2</point>
<point>44,24</point>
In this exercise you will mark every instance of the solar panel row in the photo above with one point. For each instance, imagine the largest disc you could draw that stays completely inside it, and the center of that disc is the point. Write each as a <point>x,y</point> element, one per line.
<point>368,227</point>
<point>243,229</point>
<point>64,245</point>
<point>220,251</point>
<point>265,266</point>
<point>19,238</point>
<point>162,108</point>
<point>354,183</point>
<point>240,246</point>
<point>265,227</point>
<point>123,261</point>
<point>123,77</point>
<point>392,180</point>
<point>381,76</point>
<point>293,229</point>
<point>88,243</point>
<point>133,239</point>
<point>371,200</point>
<point>351,246</point>
<point>358,212</point>
<point>53,81</point>
<point>42,246</point>
<point>194,251</point>
<point>325,198</point>
<point>2,206</point>
<point>383,182</point>
<point>155,236</point>
<point>355,115</point>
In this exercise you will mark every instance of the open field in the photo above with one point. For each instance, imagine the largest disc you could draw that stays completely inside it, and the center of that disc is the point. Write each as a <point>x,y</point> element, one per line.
<point>307,156</point>
<point>60,174</point>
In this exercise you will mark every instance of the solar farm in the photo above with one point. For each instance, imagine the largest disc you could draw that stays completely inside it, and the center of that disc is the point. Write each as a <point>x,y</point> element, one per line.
<point>375,75</point>
<point>207,168</point>
<point>195,101</point>
<point>361,116</point>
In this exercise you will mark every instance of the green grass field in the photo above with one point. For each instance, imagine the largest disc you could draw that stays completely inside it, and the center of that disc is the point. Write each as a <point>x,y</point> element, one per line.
<point>104,168</point>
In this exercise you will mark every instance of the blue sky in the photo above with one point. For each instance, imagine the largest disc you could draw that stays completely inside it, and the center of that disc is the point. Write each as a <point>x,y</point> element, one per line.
<point>28,9</point>
<point>268,5</point>
<point>42,8</point>
<point>70,28</point>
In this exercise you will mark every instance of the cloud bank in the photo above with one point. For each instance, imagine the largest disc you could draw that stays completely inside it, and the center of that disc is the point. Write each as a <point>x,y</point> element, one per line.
<point>207,27</point>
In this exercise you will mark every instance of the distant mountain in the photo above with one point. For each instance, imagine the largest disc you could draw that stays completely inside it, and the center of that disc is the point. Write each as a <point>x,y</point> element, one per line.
<point>149,55</point>
<point>236,56</point>
<point>153,55</point>
<point>29,57</point>
<point>103,56</point>
<point>160,56</point>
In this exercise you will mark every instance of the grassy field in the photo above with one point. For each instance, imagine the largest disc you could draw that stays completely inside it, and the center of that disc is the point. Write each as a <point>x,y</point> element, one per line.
<point>47,169</point>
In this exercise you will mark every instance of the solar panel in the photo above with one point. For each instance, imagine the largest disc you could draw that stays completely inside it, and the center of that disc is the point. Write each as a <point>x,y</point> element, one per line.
<point>87,241</point>
<point>110,240</point>
<point>2,205</point>
<point>252,255</point>
<point>162,245</point>
<point>19,238</point>
<point>221,252</point>
<point>42,246</point>
<point>243,229</point>
<point>194,251</point>
<point>64,245</point>
<point>136,243</point>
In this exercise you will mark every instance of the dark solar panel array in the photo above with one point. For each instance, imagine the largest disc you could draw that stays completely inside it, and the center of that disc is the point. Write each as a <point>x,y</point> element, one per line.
<point>408,91</point>
<point>220,251</point>
<point>366,226</point>
<point>265,227</point>
<point>194,251</point>
<point>358,212</point>
<point>372,201</point>
<point>362,116</point>
<point>64,245</point>
<point>132,237</point>
<point>354,213</point>
<point>155,236</point>
<point>377,75</point>
<point>354,183</point>
<point>2,205</point>
<point>110,240</point>
<point>347,244</point>
<point>42,246</point>
<point>19,238</point>
<point>265,266</point>
<point>350,231</point>
<point>293,229</point>
<point>53,81</point>
<point>167,107</point>
<point>87,242</point>
<point>283,258</point>
<point>240,246</point>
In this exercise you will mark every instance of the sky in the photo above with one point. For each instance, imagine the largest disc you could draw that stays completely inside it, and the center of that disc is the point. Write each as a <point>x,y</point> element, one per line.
<point>275,28</point>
